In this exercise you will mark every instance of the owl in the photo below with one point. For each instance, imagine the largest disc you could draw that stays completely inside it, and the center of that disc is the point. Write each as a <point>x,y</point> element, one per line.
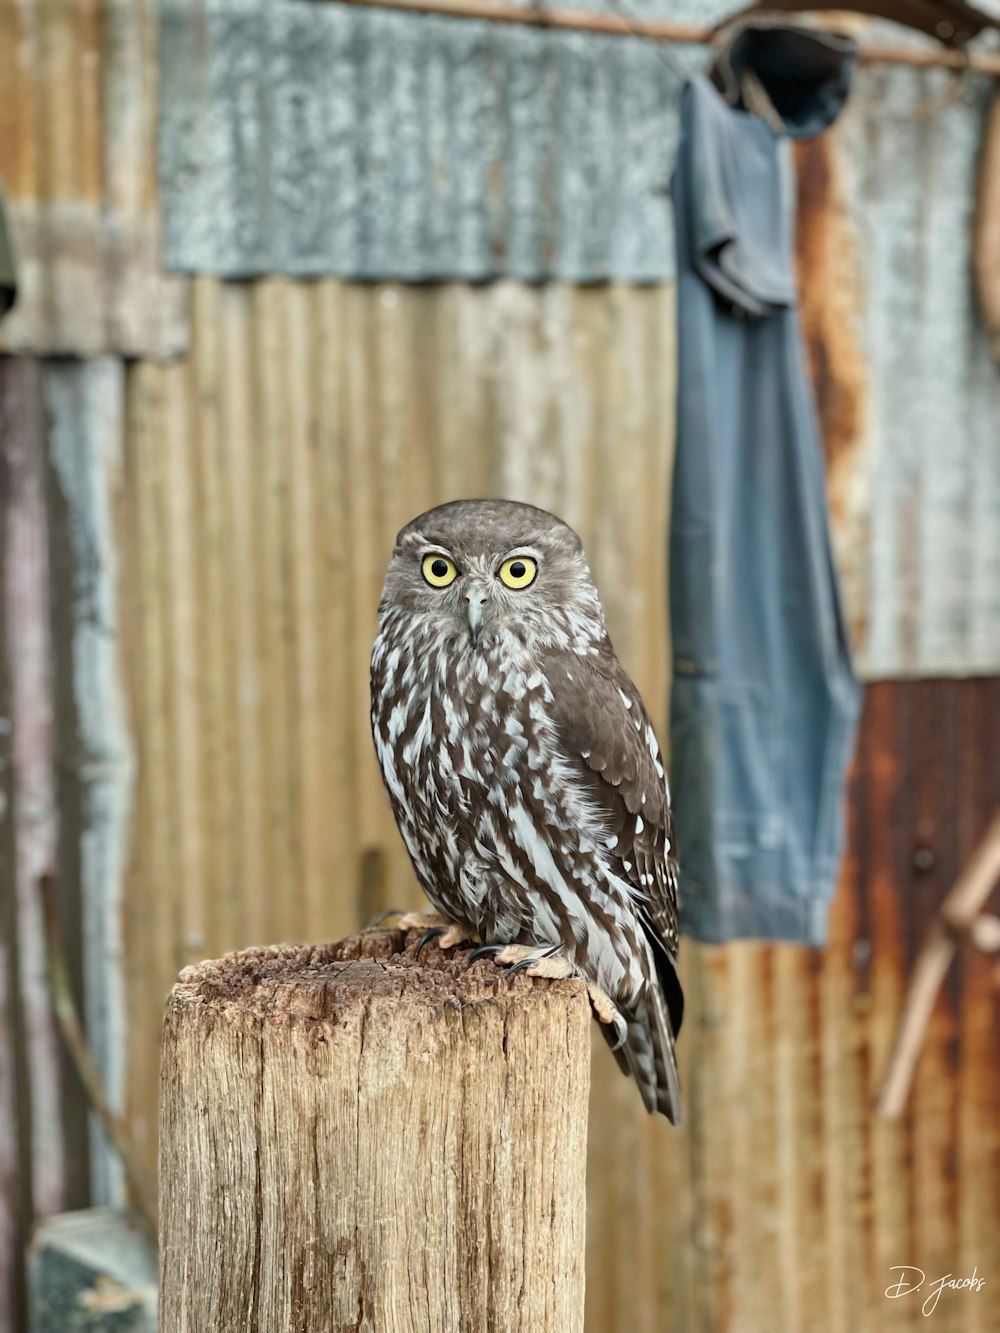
<point>524,773</point>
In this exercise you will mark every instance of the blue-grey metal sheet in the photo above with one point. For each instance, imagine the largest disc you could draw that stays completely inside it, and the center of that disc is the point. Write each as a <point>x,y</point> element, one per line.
<point>316,138</point>
<point>920,538</point>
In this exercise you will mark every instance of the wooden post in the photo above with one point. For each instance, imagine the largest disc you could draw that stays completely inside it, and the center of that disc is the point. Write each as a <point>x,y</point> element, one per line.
<point>350,1140</point>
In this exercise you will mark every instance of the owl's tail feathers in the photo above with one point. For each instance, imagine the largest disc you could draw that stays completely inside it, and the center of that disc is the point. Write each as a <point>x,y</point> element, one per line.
<point>648,1054</point>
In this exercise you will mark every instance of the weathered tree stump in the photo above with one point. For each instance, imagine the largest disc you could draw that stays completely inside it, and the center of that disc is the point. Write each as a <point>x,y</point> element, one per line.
<point>350,1140</point>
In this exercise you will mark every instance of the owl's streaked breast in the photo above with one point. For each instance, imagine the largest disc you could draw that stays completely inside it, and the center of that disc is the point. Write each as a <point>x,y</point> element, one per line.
<point>450,734</point>
<point>502,838</point>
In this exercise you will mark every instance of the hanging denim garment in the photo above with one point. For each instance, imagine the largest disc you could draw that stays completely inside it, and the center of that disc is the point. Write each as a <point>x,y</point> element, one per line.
<point>764,701</point>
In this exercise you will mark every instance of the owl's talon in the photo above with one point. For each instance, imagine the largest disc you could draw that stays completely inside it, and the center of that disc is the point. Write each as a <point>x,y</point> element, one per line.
<point>449,934</point>
<point>426,938</point>
<point>621,1032</point>
<point>606,1011</point>
<point>519,967</point>
<point>536,962</point>
<point>383,916</point>
<point>483,950</point>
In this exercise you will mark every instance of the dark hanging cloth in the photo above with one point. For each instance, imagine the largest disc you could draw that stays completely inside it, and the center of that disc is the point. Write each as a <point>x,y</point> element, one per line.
<point>764,701</point>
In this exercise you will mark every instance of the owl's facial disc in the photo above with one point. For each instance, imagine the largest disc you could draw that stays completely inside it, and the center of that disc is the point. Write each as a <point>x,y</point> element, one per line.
<point>491,574</point>
<point>478,589</point>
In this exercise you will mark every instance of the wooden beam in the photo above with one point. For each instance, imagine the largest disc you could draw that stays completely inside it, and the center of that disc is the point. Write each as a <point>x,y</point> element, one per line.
<point>350,1139</point>
<point>958,920</point>
<point>621,24</point>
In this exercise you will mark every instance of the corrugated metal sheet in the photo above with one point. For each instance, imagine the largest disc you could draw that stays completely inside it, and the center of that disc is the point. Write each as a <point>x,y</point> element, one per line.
<point>77,162</point>
<point>263,482</point>
<point>316,138</point>
<point>265,479</point>
<point>28,648</point>
<point>922,541</point>
<point>803,1200</point>
<point>253,506</point>
<point>225,522</point>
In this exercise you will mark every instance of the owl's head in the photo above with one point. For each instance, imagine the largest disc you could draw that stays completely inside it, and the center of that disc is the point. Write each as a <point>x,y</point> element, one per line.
<point>477,570</point>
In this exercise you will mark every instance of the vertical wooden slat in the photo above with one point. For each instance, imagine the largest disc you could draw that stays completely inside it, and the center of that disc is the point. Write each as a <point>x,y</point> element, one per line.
<point>281,911</point>
<point>842,1109</point>
<point>308,795</point>
<point>933,774</point>
<point>95,768</point>
<point>977,1073</point>
<point>886,1215</point>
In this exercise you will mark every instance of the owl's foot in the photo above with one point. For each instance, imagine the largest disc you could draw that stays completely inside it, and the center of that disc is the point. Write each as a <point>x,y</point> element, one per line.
<point>543,960</point>
<point>449,934</point>
<point>448,937</point>
<point>604,1008</point>
<point>549,962</point>
<point>546,961</point>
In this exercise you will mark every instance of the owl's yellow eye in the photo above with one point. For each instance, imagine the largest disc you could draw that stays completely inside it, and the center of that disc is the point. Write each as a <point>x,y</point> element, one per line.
<point>438,570</point>
<point>518,572</point>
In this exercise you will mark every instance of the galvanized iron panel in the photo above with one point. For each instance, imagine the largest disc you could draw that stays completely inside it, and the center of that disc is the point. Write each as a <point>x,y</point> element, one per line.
<point>922,545</point>
<point>263,482</point>
<point>85,406</point>
<point>310,138</point>
<point>316,138</point>
<point>232,514</point>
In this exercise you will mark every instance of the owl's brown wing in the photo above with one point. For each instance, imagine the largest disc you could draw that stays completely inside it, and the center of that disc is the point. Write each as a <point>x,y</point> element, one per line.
<point>605,728</point>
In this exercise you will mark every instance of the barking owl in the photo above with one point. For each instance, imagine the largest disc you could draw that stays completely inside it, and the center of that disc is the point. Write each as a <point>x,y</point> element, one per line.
<point>523,770</point>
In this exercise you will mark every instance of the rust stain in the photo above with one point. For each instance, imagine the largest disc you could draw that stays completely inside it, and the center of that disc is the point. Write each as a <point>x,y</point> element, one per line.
<point>986,234</point>
<point>830,304</point>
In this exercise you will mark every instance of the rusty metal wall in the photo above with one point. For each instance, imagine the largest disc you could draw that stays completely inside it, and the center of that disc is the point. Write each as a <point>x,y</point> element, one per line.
<point>251,574</point>
<point>264,480</point>
<point>215,527</point>
<point>806,1200</point>
<point>921,502</point>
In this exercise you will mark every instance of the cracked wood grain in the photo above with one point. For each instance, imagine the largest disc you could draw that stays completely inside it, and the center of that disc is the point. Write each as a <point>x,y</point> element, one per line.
<point>353,1141</point>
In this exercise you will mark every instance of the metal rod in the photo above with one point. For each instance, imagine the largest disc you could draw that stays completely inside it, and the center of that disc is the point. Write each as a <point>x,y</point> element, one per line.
<point>663,30</point>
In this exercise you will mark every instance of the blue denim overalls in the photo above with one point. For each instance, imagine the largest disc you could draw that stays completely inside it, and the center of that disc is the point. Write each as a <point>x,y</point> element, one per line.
<point>764,702</point>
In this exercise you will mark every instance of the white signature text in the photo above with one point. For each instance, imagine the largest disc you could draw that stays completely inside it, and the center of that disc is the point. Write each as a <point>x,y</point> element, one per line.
<point>912,1279</point>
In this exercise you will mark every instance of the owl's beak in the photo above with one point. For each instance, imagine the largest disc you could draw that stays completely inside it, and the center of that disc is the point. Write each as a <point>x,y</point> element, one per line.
<point>476,602</point>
